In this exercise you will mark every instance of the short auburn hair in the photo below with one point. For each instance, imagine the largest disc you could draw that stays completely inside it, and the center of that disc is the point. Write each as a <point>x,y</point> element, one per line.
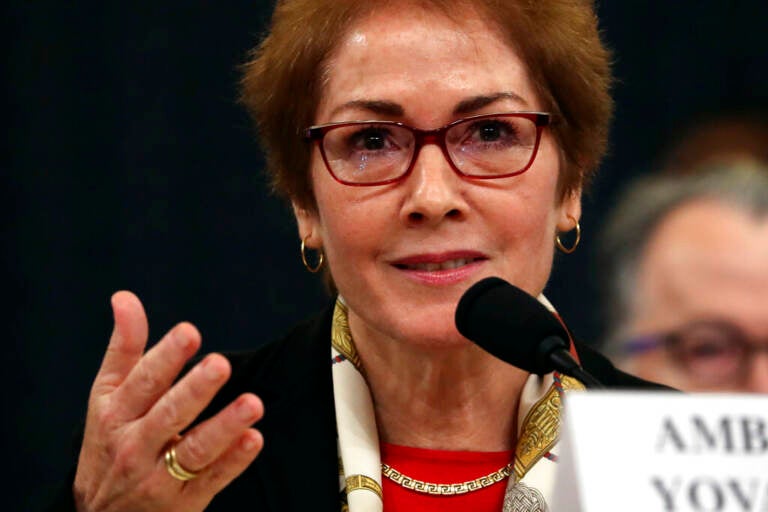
<point>558,40</point>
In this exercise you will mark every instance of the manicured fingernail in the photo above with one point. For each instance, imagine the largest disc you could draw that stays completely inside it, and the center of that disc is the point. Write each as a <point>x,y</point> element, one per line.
<point>183,342</point>
<point>248,443</point>
<point>244,410</point>
<point>211,370</point>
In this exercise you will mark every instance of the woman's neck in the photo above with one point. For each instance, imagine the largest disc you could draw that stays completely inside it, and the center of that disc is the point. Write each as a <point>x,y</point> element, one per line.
<point>454,398</point>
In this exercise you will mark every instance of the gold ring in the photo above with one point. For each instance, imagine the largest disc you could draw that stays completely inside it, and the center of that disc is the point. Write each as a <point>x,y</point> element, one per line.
<point>175,469</point>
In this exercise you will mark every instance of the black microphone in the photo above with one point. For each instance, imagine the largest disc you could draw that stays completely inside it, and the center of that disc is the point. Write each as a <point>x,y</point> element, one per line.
<point>510,324</point>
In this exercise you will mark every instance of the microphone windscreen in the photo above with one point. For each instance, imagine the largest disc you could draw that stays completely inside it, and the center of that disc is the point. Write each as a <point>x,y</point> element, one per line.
<point>509,323</point>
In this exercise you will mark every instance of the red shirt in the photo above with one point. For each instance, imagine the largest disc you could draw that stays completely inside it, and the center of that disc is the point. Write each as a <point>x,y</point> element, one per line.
<point>442,466</point>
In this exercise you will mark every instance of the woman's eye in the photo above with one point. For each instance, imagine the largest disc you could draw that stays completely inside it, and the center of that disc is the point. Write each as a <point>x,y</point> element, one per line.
<point>369,140</point>
<point>492,131</point>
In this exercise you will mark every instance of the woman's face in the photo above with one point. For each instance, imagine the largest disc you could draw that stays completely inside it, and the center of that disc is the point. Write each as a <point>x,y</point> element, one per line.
<point>402,254</point>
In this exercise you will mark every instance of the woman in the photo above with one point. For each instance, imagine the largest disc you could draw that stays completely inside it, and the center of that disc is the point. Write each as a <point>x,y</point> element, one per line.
<point>424,145</point>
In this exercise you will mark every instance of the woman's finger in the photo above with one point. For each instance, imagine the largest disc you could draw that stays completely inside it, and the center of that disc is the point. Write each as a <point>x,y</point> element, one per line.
<point>177,408</point>
<point>207,441</point>
<point>126,345</point>
<point>233,461</point>
<point>156,371</point>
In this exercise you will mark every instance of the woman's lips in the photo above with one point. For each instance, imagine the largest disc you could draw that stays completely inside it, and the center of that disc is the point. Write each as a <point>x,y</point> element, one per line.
<point>433,266</point>
<point>440,268</point>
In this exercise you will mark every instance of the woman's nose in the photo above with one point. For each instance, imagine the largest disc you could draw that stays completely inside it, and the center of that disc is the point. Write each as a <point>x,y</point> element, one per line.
<point>434,190</point>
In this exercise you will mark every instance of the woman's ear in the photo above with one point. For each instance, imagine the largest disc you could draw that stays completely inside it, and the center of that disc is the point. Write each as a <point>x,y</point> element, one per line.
<point>308,222</point>
<point>570,211</point>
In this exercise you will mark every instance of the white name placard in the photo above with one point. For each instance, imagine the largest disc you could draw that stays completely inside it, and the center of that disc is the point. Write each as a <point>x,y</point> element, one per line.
<point>661,451</point>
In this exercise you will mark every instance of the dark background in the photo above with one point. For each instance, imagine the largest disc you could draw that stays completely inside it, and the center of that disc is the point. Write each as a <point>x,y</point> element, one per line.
<point>128,164</point>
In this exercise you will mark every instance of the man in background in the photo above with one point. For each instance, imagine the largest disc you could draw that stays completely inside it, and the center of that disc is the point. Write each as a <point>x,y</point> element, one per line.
<point>684,258</point>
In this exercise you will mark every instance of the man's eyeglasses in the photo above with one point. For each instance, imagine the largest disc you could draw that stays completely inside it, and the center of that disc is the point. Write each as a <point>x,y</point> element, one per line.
<point>364,153</point>
<point>712,352</point>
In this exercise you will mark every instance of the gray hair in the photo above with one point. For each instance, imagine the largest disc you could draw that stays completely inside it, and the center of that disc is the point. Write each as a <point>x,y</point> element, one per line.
<point>642,206</point>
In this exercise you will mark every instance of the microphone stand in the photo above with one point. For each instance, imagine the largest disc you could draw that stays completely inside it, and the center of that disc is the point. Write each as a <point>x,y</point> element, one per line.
<point>552,349</point>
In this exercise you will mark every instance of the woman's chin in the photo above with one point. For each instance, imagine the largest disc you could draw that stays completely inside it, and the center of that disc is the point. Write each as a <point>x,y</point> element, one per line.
<point>441,339</point>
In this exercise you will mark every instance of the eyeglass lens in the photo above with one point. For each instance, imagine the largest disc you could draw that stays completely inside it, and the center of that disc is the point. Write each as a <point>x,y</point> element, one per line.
<point>373,152</point>
<point>712,352</point>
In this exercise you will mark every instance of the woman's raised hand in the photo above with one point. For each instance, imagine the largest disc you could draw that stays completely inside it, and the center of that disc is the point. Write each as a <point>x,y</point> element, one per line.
<point>136,411</point>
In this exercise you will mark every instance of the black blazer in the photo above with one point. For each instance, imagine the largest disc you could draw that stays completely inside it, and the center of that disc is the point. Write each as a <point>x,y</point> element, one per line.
<point>298,467</point>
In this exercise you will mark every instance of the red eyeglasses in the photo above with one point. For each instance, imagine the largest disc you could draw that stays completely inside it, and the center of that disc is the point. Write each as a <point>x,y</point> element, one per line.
<point>489,146</point>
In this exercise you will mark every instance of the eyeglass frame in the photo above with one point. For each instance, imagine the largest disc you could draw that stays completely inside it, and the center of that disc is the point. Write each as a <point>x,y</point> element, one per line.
<point>670,341</point>
<point>421,138</point>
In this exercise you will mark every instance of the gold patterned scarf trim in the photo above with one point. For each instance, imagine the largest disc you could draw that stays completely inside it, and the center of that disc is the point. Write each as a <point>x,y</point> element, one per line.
<point>341,336</point>
<point>355,482</point>
<point>541,427</point>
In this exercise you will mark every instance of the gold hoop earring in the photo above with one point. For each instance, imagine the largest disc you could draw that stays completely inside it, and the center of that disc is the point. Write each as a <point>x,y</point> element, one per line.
<point>320,258</point>
<point>569,250</point>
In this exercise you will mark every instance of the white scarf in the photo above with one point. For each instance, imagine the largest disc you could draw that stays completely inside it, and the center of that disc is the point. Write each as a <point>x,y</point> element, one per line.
<point>530,485</point>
